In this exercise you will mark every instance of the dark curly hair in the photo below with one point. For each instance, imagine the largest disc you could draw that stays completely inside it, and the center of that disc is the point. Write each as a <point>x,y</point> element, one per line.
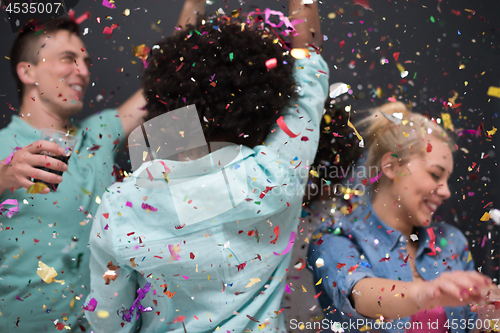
<point>220,66</point>
<point>338,146</point>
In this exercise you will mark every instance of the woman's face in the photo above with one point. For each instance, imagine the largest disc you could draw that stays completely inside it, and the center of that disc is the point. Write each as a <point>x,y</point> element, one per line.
<point>421,184</point>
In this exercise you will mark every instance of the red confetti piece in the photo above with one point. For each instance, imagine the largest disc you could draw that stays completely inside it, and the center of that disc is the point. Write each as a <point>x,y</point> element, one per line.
<point>342,43</point>
<point>432,243</point>
<point>429,147</point>
<point>393,286</point>
<point>277,233</point>
<point>250,233</point>
<point>340,265</point>
<point>317,295</point>
<point>106,215</point>
<point>253,319</point>
<point>241,266</point>
<point>191,255</point>
<point>268,188</point>
<point>36,240</point>
<point>158,257</point>
<point>130,233</point>
<point>395,56</point>
<point>384,259</point>
<point>352,268</point>
<point>284,128</point>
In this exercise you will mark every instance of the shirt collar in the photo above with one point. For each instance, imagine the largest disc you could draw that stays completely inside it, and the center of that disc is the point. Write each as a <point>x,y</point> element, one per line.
<point>24,130</point>
<point>215,161</point>
<point>390,237</point>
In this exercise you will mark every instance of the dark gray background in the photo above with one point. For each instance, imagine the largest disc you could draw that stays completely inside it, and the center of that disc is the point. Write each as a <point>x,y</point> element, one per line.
<point>435,50</point>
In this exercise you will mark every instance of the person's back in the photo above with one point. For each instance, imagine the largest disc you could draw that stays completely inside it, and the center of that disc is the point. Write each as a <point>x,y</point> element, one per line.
<point>208,240</point>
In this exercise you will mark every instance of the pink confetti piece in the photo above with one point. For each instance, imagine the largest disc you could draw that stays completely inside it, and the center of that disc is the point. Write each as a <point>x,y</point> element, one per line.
<point>374,179</point>
<point>91,305</point>
<point>174,251</point>
<point>146,206</point>
<point>289,246</point>
<point>19,298</point>
<point>283,20</point>
<point>185,277</point>
<point>71,15</point>
<point>432,242</point>
<point>287,288</point>
<point>392,99</point>
<point>150,176</point>
<point>7,161</point>
<point>129,204</point>
<point>106,227</point>
<point>12,210</point>
<point>484,241</point>
<point>284,128</point>
<point>108,4</point>
<point>271,63</point>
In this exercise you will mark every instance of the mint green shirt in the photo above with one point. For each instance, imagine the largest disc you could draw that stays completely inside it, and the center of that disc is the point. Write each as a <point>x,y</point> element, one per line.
<point>209,249</point>
<point>53,229</point>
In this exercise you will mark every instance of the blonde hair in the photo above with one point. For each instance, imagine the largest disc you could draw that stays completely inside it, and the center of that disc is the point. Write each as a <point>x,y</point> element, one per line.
<point>392,128</point>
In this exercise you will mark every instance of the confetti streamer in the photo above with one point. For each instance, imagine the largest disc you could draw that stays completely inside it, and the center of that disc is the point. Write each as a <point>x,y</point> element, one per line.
<point>354,128</point>
<point>127,313</point>
<point>7,161</point>
<point>289,246</point>
<point>284,127</point>
<point>11,210</point>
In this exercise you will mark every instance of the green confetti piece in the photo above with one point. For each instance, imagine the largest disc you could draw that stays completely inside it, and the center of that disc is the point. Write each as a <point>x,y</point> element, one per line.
<point>443,242</point>
<point>199,33</point>
<point>231,56</point>
<point>432,19</point>
<point>395,155</point>
<point>415,76</point>
<point>337,231</point>
<point>257,202</point>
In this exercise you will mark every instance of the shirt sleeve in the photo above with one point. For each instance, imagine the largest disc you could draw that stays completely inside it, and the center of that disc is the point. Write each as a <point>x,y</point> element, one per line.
<point>341,267</point>
<point>468,265</point>
<point>302,117</point>
<point>118,294</point>
<point>105,129</point>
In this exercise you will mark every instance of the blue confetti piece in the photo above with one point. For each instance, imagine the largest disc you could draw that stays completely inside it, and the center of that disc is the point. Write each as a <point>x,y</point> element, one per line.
<point>365,264</point>
<point>236,166</point>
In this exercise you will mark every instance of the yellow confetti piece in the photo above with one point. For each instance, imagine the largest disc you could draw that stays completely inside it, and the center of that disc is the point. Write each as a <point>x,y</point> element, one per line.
<point>181,133</point>
<point>144,155</point>
<point>328,119</point>
<point>492,131</point>
<point>319,282</point>
<point>141,51</point>
<point>97,200</point>
<point>354,128</point>
<point>102,314</point>
<point>486,217</point>
<point>208,278</point>
<point>304,289</point>
<point>453,99</point>
<point>314,173</point>
<point>469,258</point>
<point>36,188</point>
<point>447,124</point>
<point>400,67</point>
<point>364,328</point>
<point>494,91</point>
<point>126,12</point>
<point>406,135</point>
<point>47,273</point>
<point>252,282</point>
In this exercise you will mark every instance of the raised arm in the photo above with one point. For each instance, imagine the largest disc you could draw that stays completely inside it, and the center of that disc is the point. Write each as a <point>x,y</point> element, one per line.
<point>309,31</point>
<point>190,12</point>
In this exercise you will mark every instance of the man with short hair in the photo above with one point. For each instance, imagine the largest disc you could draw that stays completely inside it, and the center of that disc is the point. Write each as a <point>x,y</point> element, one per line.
<point>46,234</point>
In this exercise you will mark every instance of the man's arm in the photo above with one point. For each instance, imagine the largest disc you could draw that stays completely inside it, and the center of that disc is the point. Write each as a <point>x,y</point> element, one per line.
<point>132,113</point>
<point>309,31</point>
<point>190,12</point>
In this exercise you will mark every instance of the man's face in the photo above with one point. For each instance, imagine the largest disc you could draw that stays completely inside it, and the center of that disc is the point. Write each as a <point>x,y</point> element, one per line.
<point>62,73</point>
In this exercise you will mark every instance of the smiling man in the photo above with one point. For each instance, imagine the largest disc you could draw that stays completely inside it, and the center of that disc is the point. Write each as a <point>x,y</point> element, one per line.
<point>45,234</point>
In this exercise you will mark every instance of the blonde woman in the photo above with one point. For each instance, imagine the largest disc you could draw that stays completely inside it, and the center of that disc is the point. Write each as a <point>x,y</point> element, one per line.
<point>388,266</point>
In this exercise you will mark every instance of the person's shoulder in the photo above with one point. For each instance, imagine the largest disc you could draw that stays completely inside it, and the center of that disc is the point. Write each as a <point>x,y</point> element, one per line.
<point>451,233</point>
<point>99,118</point>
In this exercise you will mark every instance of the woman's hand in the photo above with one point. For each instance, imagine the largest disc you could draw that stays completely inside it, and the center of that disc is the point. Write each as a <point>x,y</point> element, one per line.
<point>457,288</point>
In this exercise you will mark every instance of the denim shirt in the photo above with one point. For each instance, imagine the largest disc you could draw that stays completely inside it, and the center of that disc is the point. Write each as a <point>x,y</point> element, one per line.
<point>361,245</point>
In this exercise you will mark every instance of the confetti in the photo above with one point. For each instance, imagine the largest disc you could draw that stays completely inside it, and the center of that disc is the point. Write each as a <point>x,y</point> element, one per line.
<point>47,273</point>
<point>8,159</point>
<point>284,127</point>
<point>337,89</point>
<point>12,210</point>
<point>109,4</point>
<point>271,63</point>
<point>494,91</point>
<point>289,246</point>
<point>36,188</point>
<point>91,305</point>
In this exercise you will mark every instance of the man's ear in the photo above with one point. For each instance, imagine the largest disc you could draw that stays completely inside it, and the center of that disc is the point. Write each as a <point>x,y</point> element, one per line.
<point>389,165</point>
<point>25,72</point>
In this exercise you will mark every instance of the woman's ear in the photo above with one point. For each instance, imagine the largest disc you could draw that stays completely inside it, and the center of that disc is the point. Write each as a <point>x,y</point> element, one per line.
<point>389,164</point>
<point>25,72</point>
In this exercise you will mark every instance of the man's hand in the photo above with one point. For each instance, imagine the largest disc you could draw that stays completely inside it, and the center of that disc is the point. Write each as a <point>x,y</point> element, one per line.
<point>451,289</point>
<point>22,167</point>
